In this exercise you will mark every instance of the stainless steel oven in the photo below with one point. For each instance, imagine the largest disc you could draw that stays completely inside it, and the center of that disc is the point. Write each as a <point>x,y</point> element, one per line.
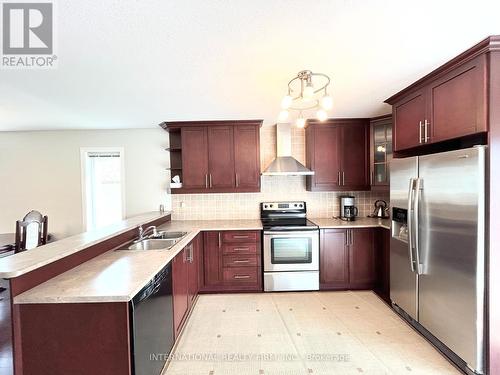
<point>291,247</point>
<point>291,251</point>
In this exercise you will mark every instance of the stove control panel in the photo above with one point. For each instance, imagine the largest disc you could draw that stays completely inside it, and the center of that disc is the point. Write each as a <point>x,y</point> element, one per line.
<point>283,206</point>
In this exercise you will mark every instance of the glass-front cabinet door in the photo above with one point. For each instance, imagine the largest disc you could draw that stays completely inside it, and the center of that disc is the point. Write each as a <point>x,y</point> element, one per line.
<point>381,151</point>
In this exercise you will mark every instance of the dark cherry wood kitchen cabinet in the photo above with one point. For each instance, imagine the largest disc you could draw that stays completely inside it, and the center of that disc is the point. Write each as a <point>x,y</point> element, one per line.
<point>448,104</point>
<point>194,268</point>
<point>324,157</point>
<point>457,102</point>
<point>247,157</point>
<point>334,259</point>
<point>180,290</point>
<point>380,152</point>
<point>355,159</point>
<point>185,281</point>
<point>194,162</point>
<point>383,243</point>
<point>362,267</point>
<point>232,261</point>
<point>221,173</point>
<point>409,115</point>
<point>215,156</point>
<point>212,254</point>
<point>337,152</point>
<point>347,259</point>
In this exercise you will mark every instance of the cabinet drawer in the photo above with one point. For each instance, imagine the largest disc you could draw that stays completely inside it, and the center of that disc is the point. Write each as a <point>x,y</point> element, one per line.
<point>239,261</point>
<point>240,236</point>
<point>241,248</point>
<point>241,275</point>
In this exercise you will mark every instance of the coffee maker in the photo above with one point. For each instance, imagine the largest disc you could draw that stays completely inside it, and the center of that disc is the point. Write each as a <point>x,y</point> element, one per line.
<point>348,211</point>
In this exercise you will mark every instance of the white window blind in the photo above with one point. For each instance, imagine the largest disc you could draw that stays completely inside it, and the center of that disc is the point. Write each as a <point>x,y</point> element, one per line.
<point>103,187</point>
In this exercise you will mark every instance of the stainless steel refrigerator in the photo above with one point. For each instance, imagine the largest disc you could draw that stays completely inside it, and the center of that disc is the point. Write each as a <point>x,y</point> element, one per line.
<point>438,248</point>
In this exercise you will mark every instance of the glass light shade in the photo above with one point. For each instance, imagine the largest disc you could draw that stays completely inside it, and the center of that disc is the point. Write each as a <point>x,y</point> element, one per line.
<point>308,92</point>
<point>300,122</point>
<point>286,102</point>
<point>326,102</point>
<point>283,115</point>
<point>321,115</point>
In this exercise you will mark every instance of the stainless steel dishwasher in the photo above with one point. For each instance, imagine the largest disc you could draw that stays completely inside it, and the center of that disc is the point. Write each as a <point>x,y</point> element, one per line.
<point>151,324</point>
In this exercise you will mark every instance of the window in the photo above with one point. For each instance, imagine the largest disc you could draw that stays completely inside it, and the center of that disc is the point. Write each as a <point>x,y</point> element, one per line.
<point>102,186</point>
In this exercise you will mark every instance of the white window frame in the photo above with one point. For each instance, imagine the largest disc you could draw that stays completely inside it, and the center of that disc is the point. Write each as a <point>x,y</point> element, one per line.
<point>84,151</point>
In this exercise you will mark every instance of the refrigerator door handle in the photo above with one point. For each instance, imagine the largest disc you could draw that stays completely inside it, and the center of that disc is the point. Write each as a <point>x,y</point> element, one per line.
<point>410,223</point>
<point>416,201</point>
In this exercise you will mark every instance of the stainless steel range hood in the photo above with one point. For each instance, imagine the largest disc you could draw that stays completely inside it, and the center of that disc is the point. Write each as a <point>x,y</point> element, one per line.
<point>285,164</point>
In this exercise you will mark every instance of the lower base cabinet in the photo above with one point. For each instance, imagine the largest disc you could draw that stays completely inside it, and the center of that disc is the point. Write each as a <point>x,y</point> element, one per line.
<point>347,259</point>
<point>232,261</point>
<point>185,282</point>
<point>362,261</point>
<point>333,259</point>
<point>383,241</point>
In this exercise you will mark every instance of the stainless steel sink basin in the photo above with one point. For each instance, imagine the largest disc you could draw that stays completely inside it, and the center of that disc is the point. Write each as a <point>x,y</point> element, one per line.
<point>170,235</point>
<point>153,244</point>
<point>162,241</point>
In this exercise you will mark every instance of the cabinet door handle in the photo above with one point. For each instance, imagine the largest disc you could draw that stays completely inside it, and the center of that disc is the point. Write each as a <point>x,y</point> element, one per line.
<point>206,181</point>
<point>242,261</point>
<point>343,178</point>
<point>236,178</point>
<point>426,135</point>
<point>241,249</point>
<point>241,276</point>
<point>219,241</point>
<point>338,178</point>
<point>420,132</point>
<point>240,237</point>
<point>210,179</point>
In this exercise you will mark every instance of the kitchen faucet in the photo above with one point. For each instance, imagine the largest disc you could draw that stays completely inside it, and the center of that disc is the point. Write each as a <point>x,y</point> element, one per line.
<point>142,232</point>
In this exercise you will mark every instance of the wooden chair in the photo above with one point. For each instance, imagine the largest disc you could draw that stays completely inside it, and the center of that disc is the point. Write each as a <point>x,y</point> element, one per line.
<point>31,232</point>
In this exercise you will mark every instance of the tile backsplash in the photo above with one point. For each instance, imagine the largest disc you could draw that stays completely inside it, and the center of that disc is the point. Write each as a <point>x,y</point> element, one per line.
<point>273,188</point>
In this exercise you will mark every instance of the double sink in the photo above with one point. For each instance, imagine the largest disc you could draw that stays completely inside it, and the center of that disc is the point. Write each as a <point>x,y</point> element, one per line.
<point>159,241</point>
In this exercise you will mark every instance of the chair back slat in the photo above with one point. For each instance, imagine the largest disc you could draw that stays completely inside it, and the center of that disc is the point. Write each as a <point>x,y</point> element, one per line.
<point>31,232</point>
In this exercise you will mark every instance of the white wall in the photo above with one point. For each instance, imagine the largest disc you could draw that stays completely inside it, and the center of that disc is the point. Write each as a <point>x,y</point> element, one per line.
<point>41,170</point>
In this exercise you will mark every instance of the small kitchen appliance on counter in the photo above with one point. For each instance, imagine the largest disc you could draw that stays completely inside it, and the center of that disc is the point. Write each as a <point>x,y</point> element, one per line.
<point>290,247</point>
<point>381,209</point>
<point>348,211</point>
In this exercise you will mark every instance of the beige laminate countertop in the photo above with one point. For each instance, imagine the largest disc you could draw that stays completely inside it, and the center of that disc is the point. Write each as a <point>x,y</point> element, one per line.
<point>360,222</point>
<point>19,264</point>
<point>117,276</point>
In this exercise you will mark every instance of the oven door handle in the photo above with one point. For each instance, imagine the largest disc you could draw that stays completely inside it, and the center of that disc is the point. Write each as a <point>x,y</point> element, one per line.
<point>291,233</point>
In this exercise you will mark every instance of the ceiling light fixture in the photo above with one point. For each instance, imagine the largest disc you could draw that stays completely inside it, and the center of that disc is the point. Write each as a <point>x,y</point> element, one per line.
<point>305,95</point>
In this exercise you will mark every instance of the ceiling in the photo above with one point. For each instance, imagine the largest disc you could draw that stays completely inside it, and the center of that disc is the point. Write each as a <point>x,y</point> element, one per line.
<point>136,63</point>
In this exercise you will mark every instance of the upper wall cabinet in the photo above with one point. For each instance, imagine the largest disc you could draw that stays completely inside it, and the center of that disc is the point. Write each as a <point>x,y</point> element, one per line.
<point>337,152</point>
<point>448,104</point>
<point>215,156</point>
<point>380,151</point>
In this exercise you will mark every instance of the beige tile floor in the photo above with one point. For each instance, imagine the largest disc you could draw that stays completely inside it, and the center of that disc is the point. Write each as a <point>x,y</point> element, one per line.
<point>301,333</point>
